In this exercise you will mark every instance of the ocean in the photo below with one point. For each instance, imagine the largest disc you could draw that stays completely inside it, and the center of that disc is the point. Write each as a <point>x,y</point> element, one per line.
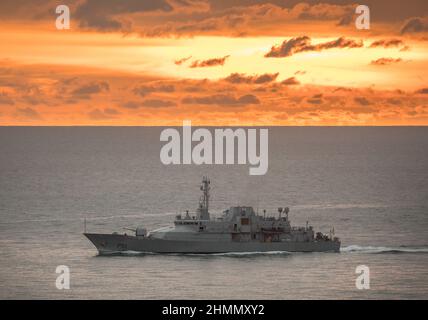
<point>369,183</point>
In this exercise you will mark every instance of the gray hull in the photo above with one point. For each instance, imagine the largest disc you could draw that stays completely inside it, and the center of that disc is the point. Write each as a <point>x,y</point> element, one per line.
<point>116,243</point>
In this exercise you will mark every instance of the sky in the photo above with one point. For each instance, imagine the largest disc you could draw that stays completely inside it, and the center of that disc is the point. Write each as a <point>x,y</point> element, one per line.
<point>235,62</point>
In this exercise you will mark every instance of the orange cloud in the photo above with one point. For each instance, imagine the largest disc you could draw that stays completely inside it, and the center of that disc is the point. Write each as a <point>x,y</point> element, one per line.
<point>415,25</point>
<point>222,100</point>
<point>256,79</point>
<point>182,60</point>
<point>387,43</point>
<point>114,67</point>
<point>422,91</point>
<point>28,113</point>
<point>91,88</point>
<point>5,99</point>
<point>105,114</point>
<point>290,81</point>
<point>241,19</point>
<point>209,62</point>
<point>303,44</point>
<point>385,61</point>
<point>177,18</point>
<point>143,100</point>
<point>144,90</point>
<point>158,103</point>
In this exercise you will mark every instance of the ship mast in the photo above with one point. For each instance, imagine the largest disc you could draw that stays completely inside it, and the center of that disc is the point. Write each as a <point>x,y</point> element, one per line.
<point>204,200</point>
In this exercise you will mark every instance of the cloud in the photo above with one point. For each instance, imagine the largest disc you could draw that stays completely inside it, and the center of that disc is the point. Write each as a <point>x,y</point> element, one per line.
<point>343,13</point>
<point>415,25</point>
<point>422,91</point>
<point>256,79</point>
<point>105,114</point>
<point>315,99</point>
<point>91,88</point>
<point>222,99</point>
<point>248,99</point>
<point>28,113</point>
<point>209,63</point>
<point>322,11</point>
<point>288,48</point>
<point>147,89</point>
<point>243,18</point>
<point>151,103</point>
<point>303,44</point>
<point>362,101</point>
<point>111,111</point>
<point>131,105</point>
<point>28,9</point>
<point>385,61</point>
<point>158,103</point>
<point>346,20</point>
<point>103,15</point>
<point>387,43</point>
<point>394,101</point>
<point>182,60</point>
<point>211,25</point>
<point>134,15</point>
<point>290,81</point>
<point>361,110</point>
<point>5,99</point>
<point>208,102</point>
<point>165,18</point>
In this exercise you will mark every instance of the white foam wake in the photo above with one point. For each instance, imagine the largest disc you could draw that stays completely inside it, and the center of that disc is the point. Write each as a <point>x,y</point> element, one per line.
<point>347,249</point>
<point>373,249</point>
<point>225,254</point>
<point>251,253</point>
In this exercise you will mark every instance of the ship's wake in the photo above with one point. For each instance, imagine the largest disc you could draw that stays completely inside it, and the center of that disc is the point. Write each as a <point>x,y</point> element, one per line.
<point>254,253</point>
<point>374,249</point>
<point>346,249</point>
<point>224,254</point>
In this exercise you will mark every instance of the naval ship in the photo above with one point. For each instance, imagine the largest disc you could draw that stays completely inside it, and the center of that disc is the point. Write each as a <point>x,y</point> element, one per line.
<point>239,229</point>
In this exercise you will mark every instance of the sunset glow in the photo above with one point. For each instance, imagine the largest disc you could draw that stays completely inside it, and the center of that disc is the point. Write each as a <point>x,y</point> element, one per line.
<point>90,76</point>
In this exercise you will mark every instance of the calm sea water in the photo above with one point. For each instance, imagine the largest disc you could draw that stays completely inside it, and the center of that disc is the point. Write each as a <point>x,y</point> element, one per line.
<point>371,184</point>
